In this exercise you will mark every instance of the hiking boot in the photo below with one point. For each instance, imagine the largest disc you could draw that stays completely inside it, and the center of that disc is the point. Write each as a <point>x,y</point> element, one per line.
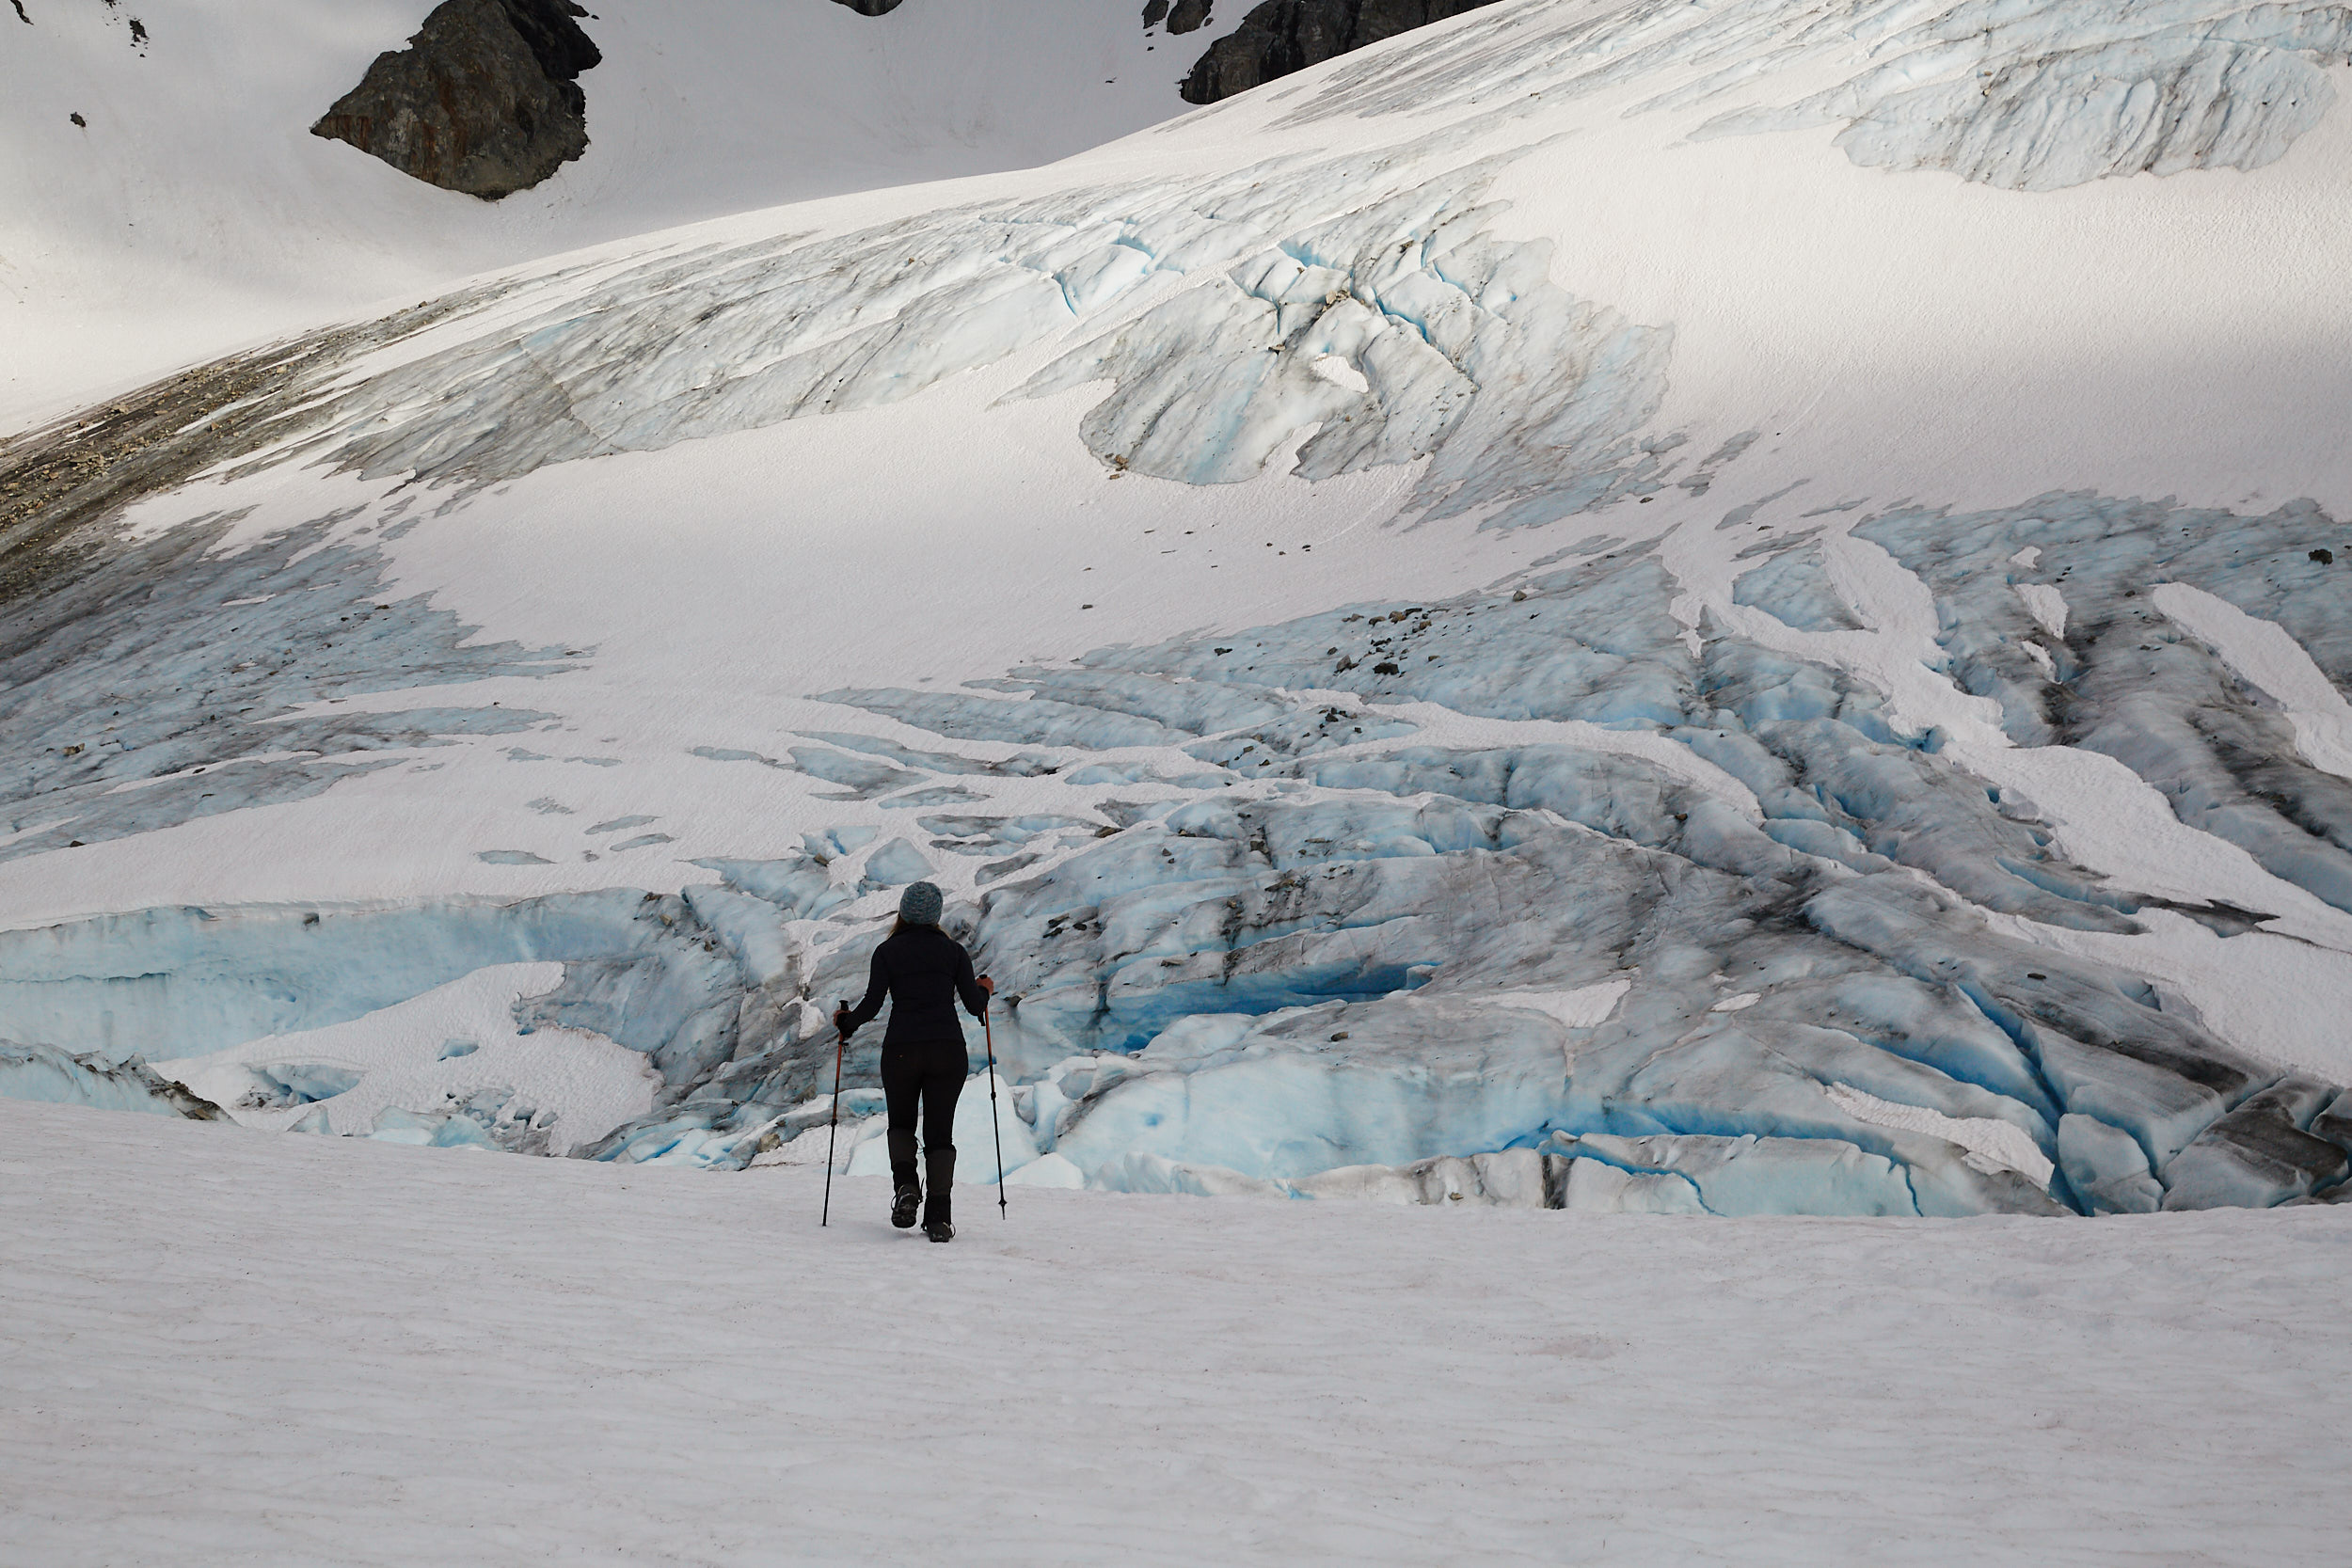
<point>939,1203</point>
<point>903,1204</point>
<point>940,1230</point>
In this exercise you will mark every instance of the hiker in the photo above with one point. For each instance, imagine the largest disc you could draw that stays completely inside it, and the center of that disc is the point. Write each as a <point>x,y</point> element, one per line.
<point>923,971</point>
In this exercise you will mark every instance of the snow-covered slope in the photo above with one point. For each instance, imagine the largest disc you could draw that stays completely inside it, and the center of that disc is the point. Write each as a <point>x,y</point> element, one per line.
<point>1735,604</point>
<point>188,210</point>
<point>302,1353</point>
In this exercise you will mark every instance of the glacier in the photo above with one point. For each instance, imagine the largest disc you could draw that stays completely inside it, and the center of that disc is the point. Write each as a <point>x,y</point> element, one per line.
<point>1393,326</point>
<point>2032,95</point>
<point>1287,966</point>
<point>1714,853</point>
<point>2134,683</point>
<point>174,678</point>
<point>59,1077</point>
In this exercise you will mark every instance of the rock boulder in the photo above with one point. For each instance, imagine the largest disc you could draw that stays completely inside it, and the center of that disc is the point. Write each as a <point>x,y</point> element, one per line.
<point>1283,36</point>
<point>485,100</point>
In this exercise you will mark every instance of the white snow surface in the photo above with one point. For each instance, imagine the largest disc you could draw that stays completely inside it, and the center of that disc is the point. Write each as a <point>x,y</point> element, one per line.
<point>1995,1145</point>
<point>436,1359</point>
<point>2270,660</point>
<point>194,212</point>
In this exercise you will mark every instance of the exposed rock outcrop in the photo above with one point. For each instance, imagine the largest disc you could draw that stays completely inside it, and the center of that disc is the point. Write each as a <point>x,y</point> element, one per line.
<point>870,7</point>
<point>485,100</point>
<point>1283,36</point>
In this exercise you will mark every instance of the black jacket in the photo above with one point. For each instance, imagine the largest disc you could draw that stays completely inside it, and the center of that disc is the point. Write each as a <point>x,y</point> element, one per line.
<point>922,971</point>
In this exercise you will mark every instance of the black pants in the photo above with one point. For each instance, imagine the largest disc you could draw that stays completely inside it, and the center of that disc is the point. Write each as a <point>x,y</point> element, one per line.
<point>926,1075</point>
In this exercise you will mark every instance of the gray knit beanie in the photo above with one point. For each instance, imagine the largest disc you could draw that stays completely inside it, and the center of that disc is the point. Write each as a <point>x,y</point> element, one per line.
<point>920,904</point>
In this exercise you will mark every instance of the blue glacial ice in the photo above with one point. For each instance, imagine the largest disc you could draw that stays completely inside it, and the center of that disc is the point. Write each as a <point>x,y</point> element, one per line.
<point>1339,957</point>
<point>1360,305</point>
<point>57,1077</point>
<point>174,983</point>
<point>491,1121</point>
<point>1769,961</point>
<point>1749,1175</point>
<point>167,679</point>
<point>280,1084</point>
<point>2123,678</point>
<point>2260,1154</point>
<point>2108,1167</point>
<point>2038,97</point>
<point>1397,331</point>
<point>2029,95</point>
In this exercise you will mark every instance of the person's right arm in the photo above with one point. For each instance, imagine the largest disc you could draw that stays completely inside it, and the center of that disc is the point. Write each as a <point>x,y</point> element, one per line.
<point>849,1019</point>
<point>974,990</point>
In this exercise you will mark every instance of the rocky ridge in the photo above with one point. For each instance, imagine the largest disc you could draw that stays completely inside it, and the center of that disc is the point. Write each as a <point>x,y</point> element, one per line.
<point>1283,36</point>
<point>485,100</point>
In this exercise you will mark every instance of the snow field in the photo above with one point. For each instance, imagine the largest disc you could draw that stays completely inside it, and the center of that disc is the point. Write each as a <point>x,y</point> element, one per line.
<point>193,211</point>
<point>442,1359</point>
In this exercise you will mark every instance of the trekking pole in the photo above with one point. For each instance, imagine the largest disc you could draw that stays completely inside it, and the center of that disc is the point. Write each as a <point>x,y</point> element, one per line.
<point>832,1120</point>
<point>995,1131</point>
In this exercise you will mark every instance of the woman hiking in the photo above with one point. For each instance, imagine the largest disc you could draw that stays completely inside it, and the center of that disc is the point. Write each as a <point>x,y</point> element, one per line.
<point>923,971</point>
